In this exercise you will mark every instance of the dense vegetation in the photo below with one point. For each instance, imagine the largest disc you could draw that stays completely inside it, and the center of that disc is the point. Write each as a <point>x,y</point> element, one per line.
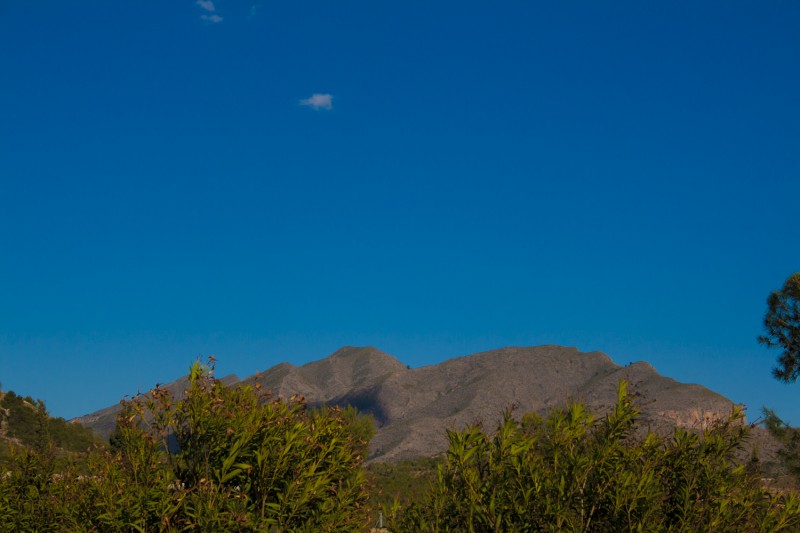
<point>401,483</point>
<point>570,472</point>
<point>25,421</point>
<point>234,459</point>
<point>221,459</point>
<point>789,437</point>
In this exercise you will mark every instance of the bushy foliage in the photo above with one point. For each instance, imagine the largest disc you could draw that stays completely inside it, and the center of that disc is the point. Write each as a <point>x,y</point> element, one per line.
<point>361,426</point>
<point>401,483</point>
<point>233,459</point>
<point>572,472</point>
<point>27,421</point>
<point>789,437</point>
<point>221,459</point>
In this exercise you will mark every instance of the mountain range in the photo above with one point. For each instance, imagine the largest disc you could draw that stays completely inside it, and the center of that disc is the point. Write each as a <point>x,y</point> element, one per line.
<point>412,407</point>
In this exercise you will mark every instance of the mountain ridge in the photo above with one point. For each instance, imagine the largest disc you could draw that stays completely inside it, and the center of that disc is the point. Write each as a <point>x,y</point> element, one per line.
<point>413,406</point>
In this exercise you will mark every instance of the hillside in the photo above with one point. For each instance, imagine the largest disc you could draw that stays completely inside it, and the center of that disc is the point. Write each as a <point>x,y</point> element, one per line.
<point>413,407</point>
<point>24,422</point>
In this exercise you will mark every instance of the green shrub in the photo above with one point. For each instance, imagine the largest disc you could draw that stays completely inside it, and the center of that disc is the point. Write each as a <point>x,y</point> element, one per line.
<point>233,459</point>
<point>572,472</point>
<point>401,482</point>
<point>29,423</point>
<point>789,437</point>
<point>221,459</point>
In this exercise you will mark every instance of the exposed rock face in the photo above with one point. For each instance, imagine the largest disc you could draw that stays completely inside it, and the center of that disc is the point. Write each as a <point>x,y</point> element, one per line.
<point>413,407</point>
<point>329,380</point>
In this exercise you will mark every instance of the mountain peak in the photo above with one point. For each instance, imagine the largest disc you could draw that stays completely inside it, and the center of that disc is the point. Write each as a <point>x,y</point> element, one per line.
<point>363,354</point>
<point>412,407</point>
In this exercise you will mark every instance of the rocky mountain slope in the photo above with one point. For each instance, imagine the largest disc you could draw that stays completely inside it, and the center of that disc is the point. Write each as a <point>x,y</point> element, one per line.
<point>413,407</point>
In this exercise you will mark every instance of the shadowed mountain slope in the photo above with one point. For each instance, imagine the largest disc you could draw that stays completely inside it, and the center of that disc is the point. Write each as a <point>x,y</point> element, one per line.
<point>413,407</point>
<point>329,380</point>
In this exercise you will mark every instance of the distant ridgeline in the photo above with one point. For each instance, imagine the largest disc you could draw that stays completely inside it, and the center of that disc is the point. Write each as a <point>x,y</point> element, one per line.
<point>24,422</point>
<point>413,407</point>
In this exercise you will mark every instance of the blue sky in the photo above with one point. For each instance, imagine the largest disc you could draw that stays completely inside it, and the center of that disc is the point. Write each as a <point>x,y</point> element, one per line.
<point>270,181</point>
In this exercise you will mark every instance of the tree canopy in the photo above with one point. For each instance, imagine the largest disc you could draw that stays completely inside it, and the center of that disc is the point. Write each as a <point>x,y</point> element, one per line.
<point>782,326</point>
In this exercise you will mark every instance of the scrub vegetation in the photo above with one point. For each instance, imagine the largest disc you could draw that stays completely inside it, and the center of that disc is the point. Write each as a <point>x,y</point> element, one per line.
<point>221,459</point>
<point>234,459</point>
<point>26,422</point>
<point>573,472</point>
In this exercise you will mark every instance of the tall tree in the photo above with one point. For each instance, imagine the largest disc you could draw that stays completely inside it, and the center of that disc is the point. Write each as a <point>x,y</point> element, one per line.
<point>782,325</point>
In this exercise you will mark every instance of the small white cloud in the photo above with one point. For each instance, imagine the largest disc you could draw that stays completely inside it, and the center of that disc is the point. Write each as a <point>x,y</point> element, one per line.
<point>208,5</point>
<point>254,9</point>
<point>319,101</point>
